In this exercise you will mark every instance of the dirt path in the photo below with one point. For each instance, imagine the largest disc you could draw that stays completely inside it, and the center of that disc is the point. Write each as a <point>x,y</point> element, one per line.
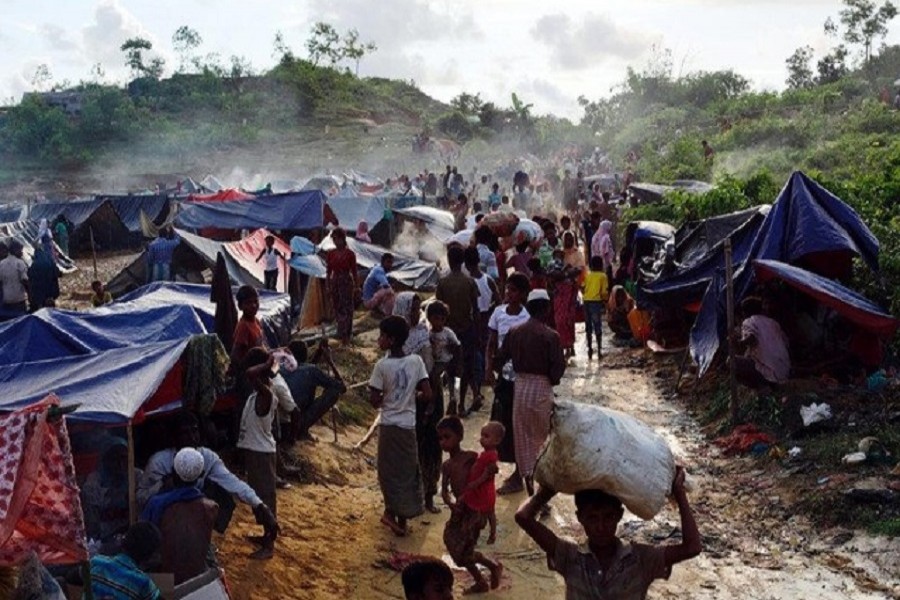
<point>333,546</point>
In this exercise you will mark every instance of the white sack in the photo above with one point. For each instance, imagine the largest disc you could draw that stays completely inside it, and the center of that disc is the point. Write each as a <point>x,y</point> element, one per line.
<point>590,447</point>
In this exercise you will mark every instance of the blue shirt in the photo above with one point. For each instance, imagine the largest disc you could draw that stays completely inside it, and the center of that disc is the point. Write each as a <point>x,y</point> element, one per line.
<point>375,280</point>
<point>118,578</point>
<point>494,199</point>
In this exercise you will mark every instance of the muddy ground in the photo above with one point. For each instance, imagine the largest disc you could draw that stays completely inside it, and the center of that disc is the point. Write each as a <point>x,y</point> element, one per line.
<point>757,543</point>
<point>334,547</point>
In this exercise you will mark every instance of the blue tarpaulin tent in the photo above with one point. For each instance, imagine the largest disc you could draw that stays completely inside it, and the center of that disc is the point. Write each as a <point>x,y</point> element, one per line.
<point>295,210</point>
<point>127,208</point>
<point>808,226</point>
<point>111,360</point>
<point>855,307</point>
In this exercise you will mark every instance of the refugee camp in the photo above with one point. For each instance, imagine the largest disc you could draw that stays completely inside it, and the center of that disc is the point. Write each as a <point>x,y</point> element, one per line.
<point>424,300</point>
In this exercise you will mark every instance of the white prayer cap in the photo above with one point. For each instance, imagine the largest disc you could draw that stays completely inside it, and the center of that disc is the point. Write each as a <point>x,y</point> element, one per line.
<point>188,465</point>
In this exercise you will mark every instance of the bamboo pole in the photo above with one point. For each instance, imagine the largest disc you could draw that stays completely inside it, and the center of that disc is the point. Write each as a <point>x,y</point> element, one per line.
<point>93,252</point>
<point>729,303</point>
<point>132,479</point>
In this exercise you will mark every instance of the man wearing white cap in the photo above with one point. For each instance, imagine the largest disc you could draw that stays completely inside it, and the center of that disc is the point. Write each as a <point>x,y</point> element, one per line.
<point>185,517</point>
<point>538,362</point>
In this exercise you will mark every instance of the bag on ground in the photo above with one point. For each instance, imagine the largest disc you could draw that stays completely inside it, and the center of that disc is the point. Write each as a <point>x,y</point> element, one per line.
<point>590,447</point>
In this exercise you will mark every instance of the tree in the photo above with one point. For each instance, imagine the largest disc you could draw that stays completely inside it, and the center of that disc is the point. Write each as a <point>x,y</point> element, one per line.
<point>134,54</point>
<point>185,40</point>
<point>468,104</point>
<point>98,73</point>
<point>864,21</point>
<point>800,74</point>
<point>281,50</point>
<point>832,66</point>
<point>353,49</point>
<point>41,77</point>
<point>240,67</point>
<point>324,42</point>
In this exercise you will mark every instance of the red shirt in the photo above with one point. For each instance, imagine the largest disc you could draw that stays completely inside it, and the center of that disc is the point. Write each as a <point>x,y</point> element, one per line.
<point>483,498</point>
<point>247,334</point>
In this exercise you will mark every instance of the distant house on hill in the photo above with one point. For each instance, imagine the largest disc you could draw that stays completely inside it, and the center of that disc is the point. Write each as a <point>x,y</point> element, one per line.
<point>69,101</point>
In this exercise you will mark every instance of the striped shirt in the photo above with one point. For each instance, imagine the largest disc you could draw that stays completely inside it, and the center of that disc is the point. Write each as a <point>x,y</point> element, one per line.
<point>119,578</point>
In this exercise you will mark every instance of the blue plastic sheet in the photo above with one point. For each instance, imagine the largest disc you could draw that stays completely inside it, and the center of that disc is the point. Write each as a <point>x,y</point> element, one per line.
<point>296,210</point>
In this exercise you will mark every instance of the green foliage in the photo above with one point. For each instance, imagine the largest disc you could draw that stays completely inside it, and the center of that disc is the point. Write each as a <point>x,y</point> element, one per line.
<point>37,130</point>
<point>800,75</point>
<point>457,125</point>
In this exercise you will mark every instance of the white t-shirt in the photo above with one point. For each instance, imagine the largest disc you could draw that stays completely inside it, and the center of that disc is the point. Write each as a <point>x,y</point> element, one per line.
<point>484,293</point>
<point>256,431</point>
<point>441,343</point>
<point>271,257</point>
<point>502,322</point>
<point>396,379</point>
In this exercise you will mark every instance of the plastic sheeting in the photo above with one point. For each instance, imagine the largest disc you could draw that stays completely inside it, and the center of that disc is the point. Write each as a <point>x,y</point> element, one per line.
<point>127,208</point>
<point>855,307</point>
<point>274,308</point>
<point>807,226</point>
<point>26,232</point>
<point>695,239</point>
<point>409,272</point>
<point>299,210</point>
<point>351,210</point>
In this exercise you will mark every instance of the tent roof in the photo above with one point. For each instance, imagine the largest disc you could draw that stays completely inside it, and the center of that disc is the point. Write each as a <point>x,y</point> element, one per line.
<point>807,224</point>
<point>695,238</point>
<point>351,210</point>
<point>127,208</point>
<point>228,195</point>
<point>852,305</point>
<point>296,210</point>
<point>408,271</point>
<point>27,233</point>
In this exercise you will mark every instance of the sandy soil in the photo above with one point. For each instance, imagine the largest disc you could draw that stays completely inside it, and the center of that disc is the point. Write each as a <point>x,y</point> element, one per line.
<point>334,547</point>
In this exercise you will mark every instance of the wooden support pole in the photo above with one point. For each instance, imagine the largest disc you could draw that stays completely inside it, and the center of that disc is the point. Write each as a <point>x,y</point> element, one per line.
<point>132,479</point>
<point>93,252</point>
<point>729,304</point>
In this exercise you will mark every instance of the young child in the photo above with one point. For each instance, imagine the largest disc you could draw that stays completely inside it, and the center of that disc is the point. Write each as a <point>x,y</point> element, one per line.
<point>248,332</point>
<point>396,381</point>
<point>465,524</point>
<point>608,567</point>
<point>272,254</point>
<point>427,580</point>
<point>257,441</point>
<point>595,293</point>
<point>488,298</point>
<point>101,296</point>
<point>480,493</point>
<point>446,350</point>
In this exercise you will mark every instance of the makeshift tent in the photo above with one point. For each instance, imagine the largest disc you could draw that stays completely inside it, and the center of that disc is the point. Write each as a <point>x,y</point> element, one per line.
<point>299,210</point>
<point>10,213</point>
<point>120,361</point>
<point>853,306</point>
<point>114,221</point>
<point>644,239</point>
<point>228,195</point>
<point>211,184</point>
<point>196,254</point>
<point>26,232</point>
<point>808,226</point>
<point>40,509</point>
<point>648,193</point>
<point>440,223</point>
<point>351,209</point>
<point>409,272</point>
<point>695,239</point>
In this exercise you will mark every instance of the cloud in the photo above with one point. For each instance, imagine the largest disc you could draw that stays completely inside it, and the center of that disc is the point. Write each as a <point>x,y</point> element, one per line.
<point>56,38</point>
<point>112,26</point>
<point>594,38</point>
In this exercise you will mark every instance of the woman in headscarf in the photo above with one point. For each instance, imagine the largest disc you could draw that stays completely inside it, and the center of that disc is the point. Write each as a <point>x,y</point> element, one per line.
<point>44,279</point>
<point>362,232</point>
<point>602,246</point>
<point>565,296</point>
<point>340,265</point>
<point>409,306</point>
<point>45,236</point>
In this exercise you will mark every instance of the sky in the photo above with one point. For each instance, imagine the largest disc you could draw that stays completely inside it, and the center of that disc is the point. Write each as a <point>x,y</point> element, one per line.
<point>549,53</point>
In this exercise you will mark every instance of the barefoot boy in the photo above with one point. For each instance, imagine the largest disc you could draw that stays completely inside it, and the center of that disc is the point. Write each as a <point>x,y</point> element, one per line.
<point>396,381</point>
<point>481,494</point>
<point>465,524</point>
<point>607,567</point>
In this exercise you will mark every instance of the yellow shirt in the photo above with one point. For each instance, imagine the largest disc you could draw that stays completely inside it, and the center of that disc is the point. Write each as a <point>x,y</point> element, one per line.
<point>596,287</point>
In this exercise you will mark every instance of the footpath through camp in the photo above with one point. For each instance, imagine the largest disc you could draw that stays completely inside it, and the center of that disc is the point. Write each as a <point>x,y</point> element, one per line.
<point>755,545</point>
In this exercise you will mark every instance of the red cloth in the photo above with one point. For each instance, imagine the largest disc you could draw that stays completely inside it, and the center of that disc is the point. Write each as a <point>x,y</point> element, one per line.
<point>40,509</point>
<point>742,439</point>
<point>483,498</point>
<point>340,261</point>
